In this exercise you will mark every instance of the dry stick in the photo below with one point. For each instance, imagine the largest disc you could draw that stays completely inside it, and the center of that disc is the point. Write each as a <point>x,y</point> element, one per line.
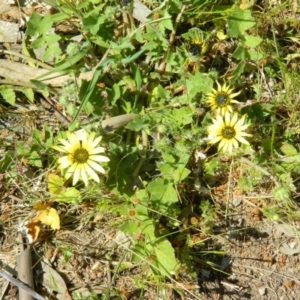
<point>21,285</point>
<point>47,104</point>
<point>228,189</point>
<point>28,58</point>
<point>17,83</point>
<point>126,22</point>
<point>143,154</point>
<point>24,266</point>
<point>162,66</point>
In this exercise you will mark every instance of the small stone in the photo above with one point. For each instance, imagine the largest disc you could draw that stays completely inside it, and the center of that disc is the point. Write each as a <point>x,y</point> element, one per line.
<point>262,290</point>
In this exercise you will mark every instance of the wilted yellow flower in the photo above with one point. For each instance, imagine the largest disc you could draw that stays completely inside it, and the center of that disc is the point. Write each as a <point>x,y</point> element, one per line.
<point>228,129</point>
<point>82,156</point>
<point>197,47</point>
<point>221,98</point>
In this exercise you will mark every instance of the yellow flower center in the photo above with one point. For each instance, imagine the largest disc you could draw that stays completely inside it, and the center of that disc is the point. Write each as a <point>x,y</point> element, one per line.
<point>221,99</point>
<point>228,133</point>
<point>195,49</point>
<point>81,156</point>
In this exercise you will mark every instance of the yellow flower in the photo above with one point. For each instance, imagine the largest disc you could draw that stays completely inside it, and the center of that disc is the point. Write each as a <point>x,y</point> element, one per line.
<point>221,98</point>
<point>197,41</point>
<point>228,129</point>
<point>197,47</point>
<point>82,156</point>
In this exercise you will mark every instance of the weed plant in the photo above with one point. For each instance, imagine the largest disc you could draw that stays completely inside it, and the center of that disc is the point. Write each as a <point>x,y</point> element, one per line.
<point>160,81</point>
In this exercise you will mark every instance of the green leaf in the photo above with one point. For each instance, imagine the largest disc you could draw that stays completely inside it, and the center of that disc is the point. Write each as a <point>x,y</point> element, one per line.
<point>238,70</point>
<point>38,24</point>
<point>156,188</point>
<point>130,227</point>
<point>34,159</point>
<point>272,213</point>
<point>162,191</point>
<point>241,52</point>
<point>48,136</point>
<point>158,92</point>
<point>239,21</point>
<point>70,195</point>
<point>29,94</point>
<point>55,184</point>
<point>164,259</point>
<point>7,161</point>
<point>33,24</point>
<point>59,16</point>
<point>166,170</point>
<point>92,86</point>
<point>252,41</point>
<point>183,116</point>
<point>255,55</point>
<point>71,61</point>
<point>38,43</point>
<point>133,57</point>
<point>67,253</point>
<point>92,23</point>
<point>288,149</point>
<point>139,123</point>
<point>37,137</point>
<point>137,77</point>
<point>282,194</point>
<point>198,83</point>
<point>166,21</point>
<point>291,159</point>
<point>181,173</point>
<point>9,95</point>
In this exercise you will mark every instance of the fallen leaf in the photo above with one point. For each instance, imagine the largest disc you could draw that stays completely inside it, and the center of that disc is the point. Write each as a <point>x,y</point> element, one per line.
<point>51,280</point>
<point>48,217</point>
<point>42,205</point>
<point>55,184</point>
<point>286,249</point>
<point>31,230</point>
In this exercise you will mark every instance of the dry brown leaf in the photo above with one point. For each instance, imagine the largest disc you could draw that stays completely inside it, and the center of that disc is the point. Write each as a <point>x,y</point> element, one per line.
<point>49,217</point>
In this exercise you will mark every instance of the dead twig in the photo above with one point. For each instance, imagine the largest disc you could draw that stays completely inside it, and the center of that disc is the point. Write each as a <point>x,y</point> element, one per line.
<point>21,285</point>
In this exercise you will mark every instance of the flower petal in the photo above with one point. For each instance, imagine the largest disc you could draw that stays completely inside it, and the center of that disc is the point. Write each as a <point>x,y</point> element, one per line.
<point>242,140</point>
<point>234,119</point>
<point>76,174</point>
<point>96,141</point>
<point>65,162</point>
<point>96,166</point>
<point>74,141</point>
<point>99,158</point>
<point>91,172</point>
<point>97,150</point>
<point>83,174</point>
<point>87,140</point>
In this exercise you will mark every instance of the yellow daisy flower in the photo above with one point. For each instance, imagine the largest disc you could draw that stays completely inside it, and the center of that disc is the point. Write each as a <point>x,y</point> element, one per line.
<point>197,47</point>
<point>228,129</point>
<point>82,156</point>
<point>221,98</point>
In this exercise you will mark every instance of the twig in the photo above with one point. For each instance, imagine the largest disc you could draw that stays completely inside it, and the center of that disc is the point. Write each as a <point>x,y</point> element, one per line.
<point>142,154</point>
<point>48,104</point>
<point>18,83</point>
<point>21,285</point>
<point>232,287</point>
<point>39,63</point>
<point>162,66</point>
